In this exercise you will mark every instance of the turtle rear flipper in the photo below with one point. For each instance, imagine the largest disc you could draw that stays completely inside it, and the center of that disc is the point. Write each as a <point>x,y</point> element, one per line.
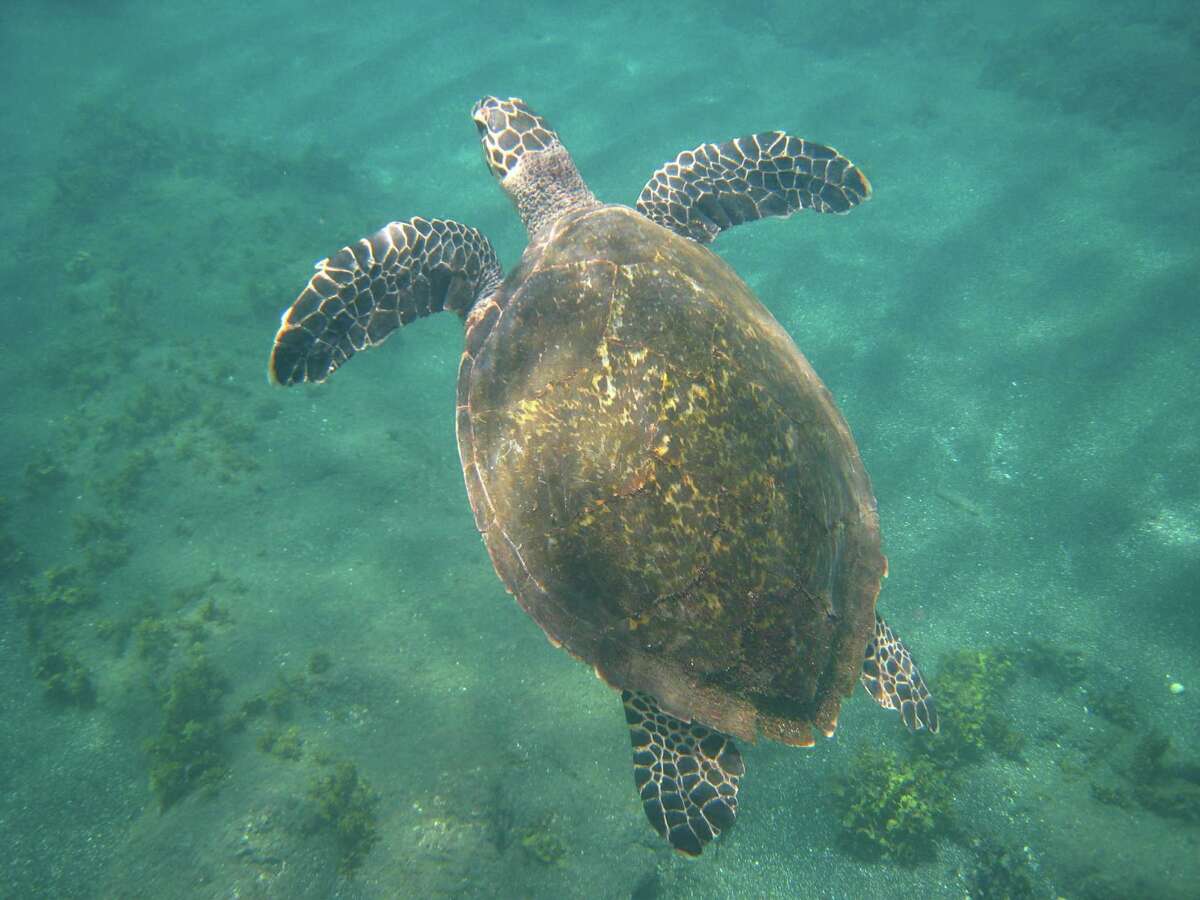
<point>687,774</point>
<point>363,293</point>
<point>704,191</point>
<point>893,679</point>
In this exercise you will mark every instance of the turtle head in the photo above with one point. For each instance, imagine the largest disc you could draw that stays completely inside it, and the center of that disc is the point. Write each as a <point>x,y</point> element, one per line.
<point>531,164</point>
<point>509,131</point>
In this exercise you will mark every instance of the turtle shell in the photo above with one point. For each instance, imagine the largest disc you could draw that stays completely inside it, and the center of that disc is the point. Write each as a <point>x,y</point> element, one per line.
<point>665,484</point>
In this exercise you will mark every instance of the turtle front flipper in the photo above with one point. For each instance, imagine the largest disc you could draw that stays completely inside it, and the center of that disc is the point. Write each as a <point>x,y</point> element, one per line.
<point>687,774</point>
<point>704,191</point>
<point>363,293</point>
<point>893,679</point>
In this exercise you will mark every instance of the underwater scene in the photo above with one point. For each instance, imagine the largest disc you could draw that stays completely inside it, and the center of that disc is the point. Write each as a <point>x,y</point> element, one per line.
<point>251,641</point>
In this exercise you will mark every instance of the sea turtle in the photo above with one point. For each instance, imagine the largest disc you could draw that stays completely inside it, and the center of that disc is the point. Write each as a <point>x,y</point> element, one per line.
<point>660,477</point>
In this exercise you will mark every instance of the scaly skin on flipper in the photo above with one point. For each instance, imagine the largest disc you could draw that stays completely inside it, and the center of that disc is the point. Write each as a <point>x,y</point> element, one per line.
<point>366,291</point>
<point>687,775</point>
<point>704,191</point>
<point>893,679</point>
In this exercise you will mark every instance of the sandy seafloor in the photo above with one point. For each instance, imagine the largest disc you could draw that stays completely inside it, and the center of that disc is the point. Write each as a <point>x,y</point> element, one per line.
<point>1011,328</point>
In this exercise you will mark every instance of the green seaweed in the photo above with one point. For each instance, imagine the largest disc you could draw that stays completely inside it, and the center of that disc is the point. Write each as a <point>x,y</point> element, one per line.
<point>43,473</point>
<point>182,597</point>
<point>193,632</point>
<point>189,751</point>
<point>1114,702</point>
<point>66,681</point>
<point>87,528</point>
<point>971,692</point>
<point>195,692</point>
<point>126,143</point>
<point>14,559</point>
<point>208,614</point>
<point>116,631</point>
<point>88,369</point>
<point>893,808</point>
<point>80,267</point>
<point>61,591</point>
<point>543,844</point>
<point>121,489</point>
<point>1003,871</point>
<point>1148,761</point>
<point>1172,798</point>
<point>1111,795</point>
<point>1169,789</point>
<point>154,641</point>
<point>287,689</point>
<point>153,410</point>
<point>1064,667</point>
<point>104,556</point>
<point>212,614</point>
<point>347,806</point>
<point>250,709</point>
<point>284,744</point>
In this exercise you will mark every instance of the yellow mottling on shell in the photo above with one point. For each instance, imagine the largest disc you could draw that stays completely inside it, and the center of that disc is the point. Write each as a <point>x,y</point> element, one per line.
<point>532,411</point>
<point>666,463</point>
<point>604,388</point>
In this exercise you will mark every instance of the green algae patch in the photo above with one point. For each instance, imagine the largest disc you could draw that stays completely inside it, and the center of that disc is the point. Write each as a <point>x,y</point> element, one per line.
<point>14,559</point>
<point>319,663</point>
<point>1063,667</point>
<point>543,844</point>
<point>971,691</point>
<point>346,807</point>
<point>1003,871</point>
<point>43,473</point>
<point>285,744</point>
<point>893,808</point>
<point>1165,785</point>
<point>60,591</point>
<point>66,680</point>
<point>154,641</point>
<point>287,690</point>
<point>189,752</point>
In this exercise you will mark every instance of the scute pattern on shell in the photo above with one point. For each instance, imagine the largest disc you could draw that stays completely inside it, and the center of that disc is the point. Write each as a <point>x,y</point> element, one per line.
<point>665,484</point>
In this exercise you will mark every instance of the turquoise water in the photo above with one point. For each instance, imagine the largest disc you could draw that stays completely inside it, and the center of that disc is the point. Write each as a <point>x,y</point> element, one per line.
<point>235,618</point>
